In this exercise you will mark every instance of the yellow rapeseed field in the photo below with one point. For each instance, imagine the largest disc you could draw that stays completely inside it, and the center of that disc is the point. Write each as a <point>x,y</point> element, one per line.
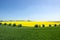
<point>32,24</point>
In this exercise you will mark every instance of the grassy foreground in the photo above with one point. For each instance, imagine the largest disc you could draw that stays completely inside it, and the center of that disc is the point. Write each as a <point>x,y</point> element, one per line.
<point>21,33</point>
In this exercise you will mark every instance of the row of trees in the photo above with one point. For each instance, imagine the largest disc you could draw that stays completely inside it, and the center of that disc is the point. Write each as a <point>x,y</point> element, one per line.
<point>20,25</point>
<point>36,25</point>
<point>44,25</point>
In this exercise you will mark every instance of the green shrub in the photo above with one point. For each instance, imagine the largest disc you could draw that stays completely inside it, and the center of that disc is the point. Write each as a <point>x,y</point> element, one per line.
<point>20,25</point>
<point>55,25</point>
<point>59,25</point>
<point>39,25</point>
<point>9,24</point>
<point>43,25</point>
<point>0,23</point>
<point>14,24</point>
<point>5,23</point>
<point>36,26</point>
<point>49,25</point>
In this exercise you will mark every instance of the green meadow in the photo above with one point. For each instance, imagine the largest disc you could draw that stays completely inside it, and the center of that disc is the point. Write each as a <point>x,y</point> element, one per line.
<point>29,33</point>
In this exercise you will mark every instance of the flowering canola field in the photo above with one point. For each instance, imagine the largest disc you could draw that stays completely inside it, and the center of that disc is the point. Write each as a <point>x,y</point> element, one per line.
<point>32,24</point>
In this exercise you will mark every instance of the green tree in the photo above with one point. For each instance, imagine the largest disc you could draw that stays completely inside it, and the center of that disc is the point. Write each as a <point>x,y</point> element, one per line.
<point>20,25</point>
<point>14,24</point>
<point>36,26</point>
<point>43,25</point>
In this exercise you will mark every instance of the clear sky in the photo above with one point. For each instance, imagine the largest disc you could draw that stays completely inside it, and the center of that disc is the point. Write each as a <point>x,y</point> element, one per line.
<point>43,10</point>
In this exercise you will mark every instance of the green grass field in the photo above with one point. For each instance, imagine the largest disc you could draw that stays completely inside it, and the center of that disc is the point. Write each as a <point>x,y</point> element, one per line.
<point>22,33</point>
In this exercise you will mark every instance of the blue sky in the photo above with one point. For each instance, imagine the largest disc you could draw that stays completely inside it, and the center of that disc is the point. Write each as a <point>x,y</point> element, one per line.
<point>42,10</point>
